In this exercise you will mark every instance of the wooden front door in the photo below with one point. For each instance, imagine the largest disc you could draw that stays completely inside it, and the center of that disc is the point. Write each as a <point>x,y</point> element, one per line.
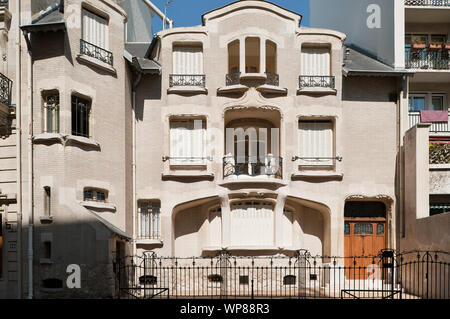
<point>364,239</point>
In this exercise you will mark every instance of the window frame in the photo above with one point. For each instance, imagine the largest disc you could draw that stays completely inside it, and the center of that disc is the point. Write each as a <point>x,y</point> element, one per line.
<point>96,12</point>
<point>154,216</point>
<point>331,162</point>
<point>190,160</point>
<point>55,111</point>
<point>88,119</point>
<point>95,192</point>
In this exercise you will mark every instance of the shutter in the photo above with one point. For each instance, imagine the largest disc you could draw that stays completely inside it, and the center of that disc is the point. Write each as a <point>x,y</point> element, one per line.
<point>315,61</point>
<point>94,29</point>
<point>315,140</point>
<point>252,224</point>
<point>187,60</point>
<point>186,143</point>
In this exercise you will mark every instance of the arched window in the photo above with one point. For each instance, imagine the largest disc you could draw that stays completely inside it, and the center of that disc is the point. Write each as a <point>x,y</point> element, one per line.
<point>233,57</point>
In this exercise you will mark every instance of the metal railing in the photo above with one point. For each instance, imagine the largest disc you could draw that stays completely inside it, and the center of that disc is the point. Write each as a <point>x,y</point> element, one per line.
<point>427,59</point>
<point>5,89</point>
<point>428,3</point>
<point>232,78</point>
<point>187,80</point>
<point>414,118</point>
<point>409,275</point>
<point>4,4</point>
<point>253,166</point>
<point>96,52</point>
<point>316,81</point>
<point>272,79</point>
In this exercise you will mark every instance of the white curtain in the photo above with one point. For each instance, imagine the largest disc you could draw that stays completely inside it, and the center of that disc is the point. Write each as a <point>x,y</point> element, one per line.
<point>252,224</point>
<point>315,140</point>
<point>187,60</point>
<point>315,61</point>
<point>215,227</point>
<point>187,143</point>
<point>94,29</point>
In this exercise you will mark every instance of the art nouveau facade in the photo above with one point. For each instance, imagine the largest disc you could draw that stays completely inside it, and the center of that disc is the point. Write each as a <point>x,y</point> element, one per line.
<point>250,65</point>
<point>249,133</point>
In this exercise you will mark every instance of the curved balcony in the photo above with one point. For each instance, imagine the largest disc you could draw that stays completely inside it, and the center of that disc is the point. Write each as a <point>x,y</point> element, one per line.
<point>269,165</point>
<point>96,52</point>
<point>187,83</point>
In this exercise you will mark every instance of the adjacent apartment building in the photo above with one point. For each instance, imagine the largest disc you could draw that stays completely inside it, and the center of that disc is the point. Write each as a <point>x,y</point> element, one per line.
<point>249,134</point>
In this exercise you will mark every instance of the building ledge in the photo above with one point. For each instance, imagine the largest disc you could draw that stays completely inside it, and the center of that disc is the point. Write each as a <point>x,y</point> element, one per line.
<point>236,88</point>
<point>64,139</point>
<point>198,175</point>
<point>317,90</point>
<point>96,63</point>
<point>245,179</point>
<point>99,206</point>
<point>317,175</point>
<point>187,90</point>
<point>439,167</point>
<point>266,88</point>
<point>149,242</point>
<point>253,76</point>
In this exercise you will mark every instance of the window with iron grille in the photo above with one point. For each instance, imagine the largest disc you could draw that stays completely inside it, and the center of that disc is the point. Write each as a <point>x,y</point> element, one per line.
<point>51,112</point>
<point>80,116</point>
<point>149,220</point>
<point>92,194</point>
<point>95,29</point>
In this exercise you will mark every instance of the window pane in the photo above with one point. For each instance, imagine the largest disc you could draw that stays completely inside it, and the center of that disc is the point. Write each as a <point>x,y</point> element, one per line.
<point>437,103</point>
<point>101,196</point>
<point>233,57</point>
<point>380,229</point>
<point>362,229</point>
<point>418,103</point>
<point>347,229</point>
<point>80,116</point>
<point>252,51</point>
<point>88,195</point>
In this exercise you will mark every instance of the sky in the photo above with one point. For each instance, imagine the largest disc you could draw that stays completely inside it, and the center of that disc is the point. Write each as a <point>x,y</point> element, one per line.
<point>186,13</point>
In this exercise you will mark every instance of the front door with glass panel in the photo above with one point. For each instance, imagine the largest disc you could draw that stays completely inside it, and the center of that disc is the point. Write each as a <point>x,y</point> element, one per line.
<point>364,237</point>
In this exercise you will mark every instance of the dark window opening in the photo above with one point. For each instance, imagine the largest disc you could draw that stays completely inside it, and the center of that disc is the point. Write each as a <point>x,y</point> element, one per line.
<point>52,283</point>
<point>148,280</point>
<point>215,278</point>
<point>47,201</point>
<point>243,280</point>
<point>439,204</point>
<point>289,280</point>
<point>347,229</point>
<point>48,249</point>
<point>364,209</point>
<point>80,116</point>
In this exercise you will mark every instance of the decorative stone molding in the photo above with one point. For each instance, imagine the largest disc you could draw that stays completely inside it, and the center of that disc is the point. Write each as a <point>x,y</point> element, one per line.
<point>252,99</point>
<point>64,139</point>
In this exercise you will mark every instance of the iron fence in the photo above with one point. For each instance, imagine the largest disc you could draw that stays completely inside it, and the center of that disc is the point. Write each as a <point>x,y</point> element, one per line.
<point>430,3</point>
<point>269,165</point>
<point>187,80</point>
<point>5,89</point>
<point>96,52</point>
<point>272,79</point>
<point>412,275</point>
<point>316,81</point>
<point>427,59</point>
<point>232,78</point>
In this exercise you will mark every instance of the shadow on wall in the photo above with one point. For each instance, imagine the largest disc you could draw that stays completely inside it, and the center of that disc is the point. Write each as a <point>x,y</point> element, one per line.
<point>369,89</point>
<point>149,89</point>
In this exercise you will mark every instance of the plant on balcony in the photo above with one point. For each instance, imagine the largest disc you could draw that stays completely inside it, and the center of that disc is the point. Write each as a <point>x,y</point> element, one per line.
<point>419,44</point>
<point>435,45</point>
<point>439,153</point>
<point>446,45</point>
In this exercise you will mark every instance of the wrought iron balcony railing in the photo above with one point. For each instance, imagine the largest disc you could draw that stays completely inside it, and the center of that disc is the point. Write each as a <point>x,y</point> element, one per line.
<point>269,165</point>
<point>232,78</point>
<point>316,81</point>
<point>428,3</point>
<point>272,79</point>
<point>427,59</point>
<point>4,4</point>
<point>5,89</point>
<point>187,80</point>
<point>96,52</point>
<point>414,118</point>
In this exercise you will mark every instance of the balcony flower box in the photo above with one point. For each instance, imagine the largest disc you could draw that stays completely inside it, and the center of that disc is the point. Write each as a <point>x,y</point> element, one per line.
<point>446,45</point>
<point>418,45</point>
<point>435,46</point>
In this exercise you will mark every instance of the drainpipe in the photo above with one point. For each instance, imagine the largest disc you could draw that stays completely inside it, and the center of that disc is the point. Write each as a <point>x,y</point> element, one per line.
<point>19,150</point>
<point>30,168</point>
<point>159,13</point>
<point>133,118</point>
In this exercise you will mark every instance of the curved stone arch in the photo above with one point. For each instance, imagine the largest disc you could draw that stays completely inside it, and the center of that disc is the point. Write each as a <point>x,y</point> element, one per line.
<point>252,99</point>
<point>183,206</point>
<point>325,212</point>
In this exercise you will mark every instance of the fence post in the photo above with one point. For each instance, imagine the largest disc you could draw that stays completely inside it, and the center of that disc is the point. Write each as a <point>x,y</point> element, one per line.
<point>387,256</point>
<point>301,261</point>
